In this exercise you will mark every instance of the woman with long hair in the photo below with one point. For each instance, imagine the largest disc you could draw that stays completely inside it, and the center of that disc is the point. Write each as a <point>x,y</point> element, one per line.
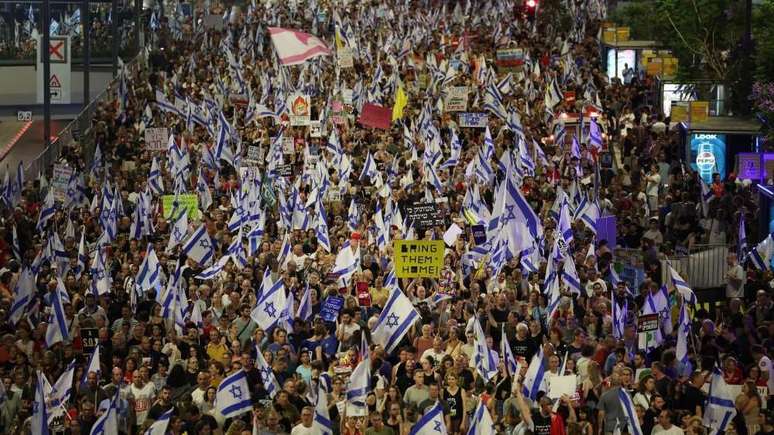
<point>645,390</point>
<point>455,400</point>
<point>748,403</point>
<point>591,388</point>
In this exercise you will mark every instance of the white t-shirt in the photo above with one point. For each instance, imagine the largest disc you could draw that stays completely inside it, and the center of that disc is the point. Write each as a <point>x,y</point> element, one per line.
<point>143,400</point>
<point>198,396</point>
<point>733,291</point>
<point>659,430</point>
<point>765,366</point>
<point>652,183</point>
<point>300,429</point>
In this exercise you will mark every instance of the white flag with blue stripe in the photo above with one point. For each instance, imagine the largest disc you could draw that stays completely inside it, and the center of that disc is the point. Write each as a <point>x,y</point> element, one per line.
<point>485,359</point>
<point>511,365</point>
<point>107,423</point>
<point>762,253</point>
<point>23,293</point>
<point>39,421</point>
<point>305,306</point>
<point>395,320</point>
<point>628,408</point>
<point>47,211</point>
<point>178,231</point>
<point>681,286</point>
<point>270,309</point>
<point>149,274</point>
<point>233,395</point>
<point>359,384</point>
<point>92,366</point>
<point>322,420</point>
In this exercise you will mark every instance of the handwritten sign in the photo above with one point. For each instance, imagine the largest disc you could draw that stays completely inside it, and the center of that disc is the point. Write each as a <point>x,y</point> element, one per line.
<point>418,258</point>
<point>510,58</point>
<point>473,119</point>
<point>284,170</point>
<point>346,60</point>
<point>156,138</point>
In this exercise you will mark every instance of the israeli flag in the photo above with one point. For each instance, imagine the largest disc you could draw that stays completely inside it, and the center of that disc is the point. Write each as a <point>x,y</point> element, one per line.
<point>741,245</point>
<point>482,423</point>
<point>60,393</point>
<point>93,366</point>
<point>150,270</point>
<point>762,253</point>
<point>57,323</point>
<point>39,421</point>
<point>431,423</point>
<point>369,168</point>
<point>347,262</point>
<point>353,217</point>
<point>721,407</point>
<point>23,293</point>
<point>511,365</point>
<point>155,181</point>
<point>683,329</point>
<point>159,427</point>
<point>322,227</point>
<point>359,384</point>
<point>270,383</point>
<point>305,306</point>
<point>535,378</point>
<point>178,232</point>
<point>631,416</point>
<point>47,211</point>
<point>100,278</point>
<point>322,420</point>
<point>395,320</point>
<point>199,247</point>
<point>270,309</point>
<point>233,395</point>
<point>681,286</point>
<point>107,423</point>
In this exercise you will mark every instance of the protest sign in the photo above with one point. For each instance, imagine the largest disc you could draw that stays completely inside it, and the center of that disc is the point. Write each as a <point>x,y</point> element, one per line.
<point>284,170</point>
<point>89,339</point>
<point>346,60</point>
<point>331,307</point>
<point>156,138</point>
<point>473,120</point>
<point>510,58</point>
<point>561,385</point>
<point>375,116</point>
<point>288,145</point>
<point>60,180</point>
<point>418,258</point>
<point>648,322</point>
<point>300,109</point>
<point>425,215</point>
<point>254,153</point>
<point>479,234</point>
<point>457,99</point>
<point>315,129</point>
<point>187,201</point>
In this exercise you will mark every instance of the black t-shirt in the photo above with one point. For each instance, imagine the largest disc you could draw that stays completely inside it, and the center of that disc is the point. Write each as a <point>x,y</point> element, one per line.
<point>524,348</point>
<point>692,398</point>
<point>542,424</point>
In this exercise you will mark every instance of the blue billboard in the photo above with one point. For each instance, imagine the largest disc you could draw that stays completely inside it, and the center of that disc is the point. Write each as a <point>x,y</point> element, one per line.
<point>708,155</point>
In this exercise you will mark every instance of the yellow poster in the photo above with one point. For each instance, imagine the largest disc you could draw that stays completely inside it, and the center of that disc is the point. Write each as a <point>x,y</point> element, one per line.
<point>699,111</point>
<point>188,202</point>
<point>679,113</point>
<point>418,258</point>
<point>622,34</point>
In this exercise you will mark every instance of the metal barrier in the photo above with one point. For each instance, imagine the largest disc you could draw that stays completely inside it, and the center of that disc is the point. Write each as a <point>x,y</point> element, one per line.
<point>78,133</point>
<point>704,267</point>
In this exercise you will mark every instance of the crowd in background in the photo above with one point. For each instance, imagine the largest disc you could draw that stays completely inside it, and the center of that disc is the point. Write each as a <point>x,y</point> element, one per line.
<point>159,361</point>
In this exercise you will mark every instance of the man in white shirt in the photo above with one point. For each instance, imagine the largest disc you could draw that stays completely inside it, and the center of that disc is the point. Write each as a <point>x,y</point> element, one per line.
<point>143,394</point>
<point>735,278</point>
<point>652,183</point>
<point>199,395</point>
<point>665,426</point>
<point>305,427</point>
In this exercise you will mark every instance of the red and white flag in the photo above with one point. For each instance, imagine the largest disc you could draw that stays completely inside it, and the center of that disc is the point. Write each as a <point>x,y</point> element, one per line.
<point>294,47</point>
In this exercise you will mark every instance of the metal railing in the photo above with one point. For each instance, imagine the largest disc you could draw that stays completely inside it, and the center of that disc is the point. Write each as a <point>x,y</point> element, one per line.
<point>704,267</point>
<point>79,133</point>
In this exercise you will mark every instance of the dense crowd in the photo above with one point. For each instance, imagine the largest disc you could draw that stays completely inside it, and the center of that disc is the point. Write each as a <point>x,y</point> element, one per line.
<point>154,322</point>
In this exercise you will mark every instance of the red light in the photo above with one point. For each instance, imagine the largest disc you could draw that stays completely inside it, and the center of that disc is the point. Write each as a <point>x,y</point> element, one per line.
<point>531,4</point>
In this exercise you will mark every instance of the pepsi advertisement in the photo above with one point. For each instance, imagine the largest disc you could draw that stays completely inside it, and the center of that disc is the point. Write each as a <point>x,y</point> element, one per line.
<point>708,155</point>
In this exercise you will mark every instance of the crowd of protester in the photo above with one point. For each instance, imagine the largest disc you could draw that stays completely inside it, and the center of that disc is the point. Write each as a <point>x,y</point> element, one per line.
<point>158,363</point>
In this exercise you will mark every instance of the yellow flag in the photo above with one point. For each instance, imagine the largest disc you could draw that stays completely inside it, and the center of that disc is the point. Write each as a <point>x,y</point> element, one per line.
<point>339,41</point>
<point>401,100</point>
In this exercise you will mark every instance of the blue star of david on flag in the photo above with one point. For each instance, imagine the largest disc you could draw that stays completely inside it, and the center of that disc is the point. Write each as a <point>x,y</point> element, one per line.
<point>392,320</point>
<point>270,310</point>
<point>204,243</point>
<point>236,391</point>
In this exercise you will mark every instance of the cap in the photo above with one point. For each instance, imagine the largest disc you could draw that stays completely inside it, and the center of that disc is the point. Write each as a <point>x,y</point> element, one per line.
<point>355,235</point>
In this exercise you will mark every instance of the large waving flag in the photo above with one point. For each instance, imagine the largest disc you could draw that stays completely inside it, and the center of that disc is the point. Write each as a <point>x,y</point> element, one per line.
<point>233,395</point>
<point>150,270</point>
<point>396,319</point>
<point>60,393</point>
<point>294,47</point>
<point>359,384</point>
<point>431,423</point>
<point>270,309</point>
<point>762,253</point>
<point>92,366</point>
<point>107,423</point>
<point>347,262</point>
<point>721,408</point>
<point>22,295</point>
